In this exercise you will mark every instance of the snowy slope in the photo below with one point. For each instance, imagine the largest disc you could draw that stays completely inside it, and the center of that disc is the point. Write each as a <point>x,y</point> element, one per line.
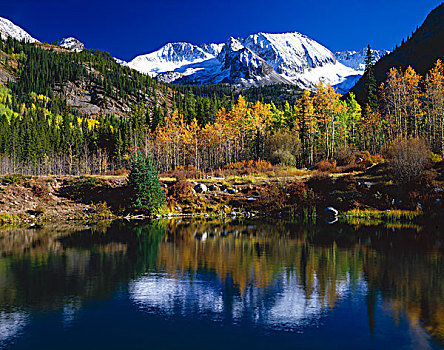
<point>257,60</point>
<point>121,62</point>
<point>212,49</point>
<point>290,53</point>
<point>356,59</point>
<point>245,67</point>
<point>72,44</point>
<point>334,74</point>
<point>9,29</point>
<point>169,58</point>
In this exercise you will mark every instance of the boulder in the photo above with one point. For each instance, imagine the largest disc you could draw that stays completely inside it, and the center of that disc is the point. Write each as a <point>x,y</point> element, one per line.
<point>200,188</point>
<point>331,211</point>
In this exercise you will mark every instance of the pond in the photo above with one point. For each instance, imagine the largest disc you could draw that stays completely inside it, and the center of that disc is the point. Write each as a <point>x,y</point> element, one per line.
<point>221,285</point>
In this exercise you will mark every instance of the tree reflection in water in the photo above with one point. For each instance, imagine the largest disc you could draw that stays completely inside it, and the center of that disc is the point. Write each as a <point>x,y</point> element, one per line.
<point>273,274</point>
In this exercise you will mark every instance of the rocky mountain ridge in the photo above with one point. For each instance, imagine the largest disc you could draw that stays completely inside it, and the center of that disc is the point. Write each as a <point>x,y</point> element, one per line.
<point>256,60</point>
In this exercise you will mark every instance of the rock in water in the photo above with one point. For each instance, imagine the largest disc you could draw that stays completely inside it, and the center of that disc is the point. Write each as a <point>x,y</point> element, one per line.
<point>331,211</point>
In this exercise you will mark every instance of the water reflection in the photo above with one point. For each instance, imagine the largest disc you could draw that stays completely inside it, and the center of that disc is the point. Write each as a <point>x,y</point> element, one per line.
<point>11,324</point>
<point>277,276</point>
<point>162,293</point>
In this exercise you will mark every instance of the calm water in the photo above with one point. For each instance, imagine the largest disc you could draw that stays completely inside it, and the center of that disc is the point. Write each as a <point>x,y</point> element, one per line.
<point>199,285</point>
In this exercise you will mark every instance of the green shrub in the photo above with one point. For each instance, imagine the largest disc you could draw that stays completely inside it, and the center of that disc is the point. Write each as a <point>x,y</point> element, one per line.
<point>13,179</point>
<point>101,211</point>
<point>146,193</point>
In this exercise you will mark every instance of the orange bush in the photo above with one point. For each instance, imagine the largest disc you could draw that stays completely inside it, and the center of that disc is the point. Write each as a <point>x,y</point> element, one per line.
<point>181,191</point>
<point>181,173</point>
<point>254,164</point>
<point>346,156</point>
<point>119,172</point>
<point>369,160</point>
<point>325,165</point>
<point>300,195</point>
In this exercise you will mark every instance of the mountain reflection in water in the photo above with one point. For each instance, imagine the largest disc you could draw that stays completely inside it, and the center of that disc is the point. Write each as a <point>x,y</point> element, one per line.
<point>272,276</point>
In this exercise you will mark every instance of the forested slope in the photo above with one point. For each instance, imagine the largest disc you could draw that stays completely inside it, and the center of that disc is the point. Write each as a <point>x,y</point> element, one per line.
<point>421,52</point>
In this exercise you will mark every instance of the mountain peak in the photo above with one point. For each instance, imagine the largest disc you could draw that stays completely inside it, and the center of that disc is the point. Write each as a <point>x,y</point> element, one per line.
<point>9,29</point>
<point>72,43</point>
<point>289,53</point>
<point>169,57</point>
<point>234,44</point>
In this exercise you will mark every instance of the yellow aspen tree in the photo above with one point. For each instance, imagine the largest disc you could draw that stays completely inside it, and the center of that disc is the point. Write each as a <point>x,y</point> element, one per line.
<point>413,100</point>
<point>259,121</point>
<point>328,109</point>
<point>239,116</point>
<point>396,101</point>
<point>306,125</point>
<point>193,142</point>
<point>434,93</point>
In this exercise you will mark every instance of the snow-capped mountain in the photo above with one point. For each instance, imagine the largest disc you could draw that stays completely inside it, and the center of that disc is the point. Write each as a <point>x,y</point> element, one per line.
<point>240,65</point>
<point>230,63</point>
<point>290,53</point>
<point>169,58</point>
<point>356,59</point>
<point>72,44</point>
<point>257,60</point>
<point>9,29</point>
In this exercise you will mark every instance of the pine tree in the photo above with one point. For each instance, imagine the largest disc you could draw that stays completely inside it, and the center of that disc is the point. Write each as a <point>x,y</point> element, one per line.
<point>370,81</point>
<point>146,193</point>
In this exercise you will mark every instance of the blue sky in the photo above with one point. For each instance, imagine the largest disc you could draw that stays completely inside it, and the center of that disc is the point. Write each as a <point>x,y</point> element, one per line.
<point>127,28</point>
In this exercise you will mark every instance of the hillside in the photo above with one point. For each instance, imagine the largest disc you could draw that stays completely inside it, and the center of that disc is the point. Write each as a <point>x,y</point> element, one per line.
<point>421,51</point>
<point>90,81</point>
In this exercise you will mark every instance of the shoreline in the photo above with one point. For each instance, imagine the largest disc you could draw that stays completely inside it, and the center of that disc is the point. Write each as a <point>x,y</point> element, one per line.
<point>304,194</point>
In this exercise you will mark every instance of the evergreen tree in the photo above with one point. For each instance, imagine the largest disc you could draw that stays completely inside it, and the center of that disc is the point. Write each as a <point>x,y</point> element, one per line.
<point>146,193</point>
<point>370,81</point>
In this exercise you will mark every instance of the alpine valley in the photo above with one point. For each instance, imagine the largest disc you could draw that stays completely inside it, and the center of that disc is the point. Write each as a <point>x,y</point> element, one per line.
<point>254,191</point>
